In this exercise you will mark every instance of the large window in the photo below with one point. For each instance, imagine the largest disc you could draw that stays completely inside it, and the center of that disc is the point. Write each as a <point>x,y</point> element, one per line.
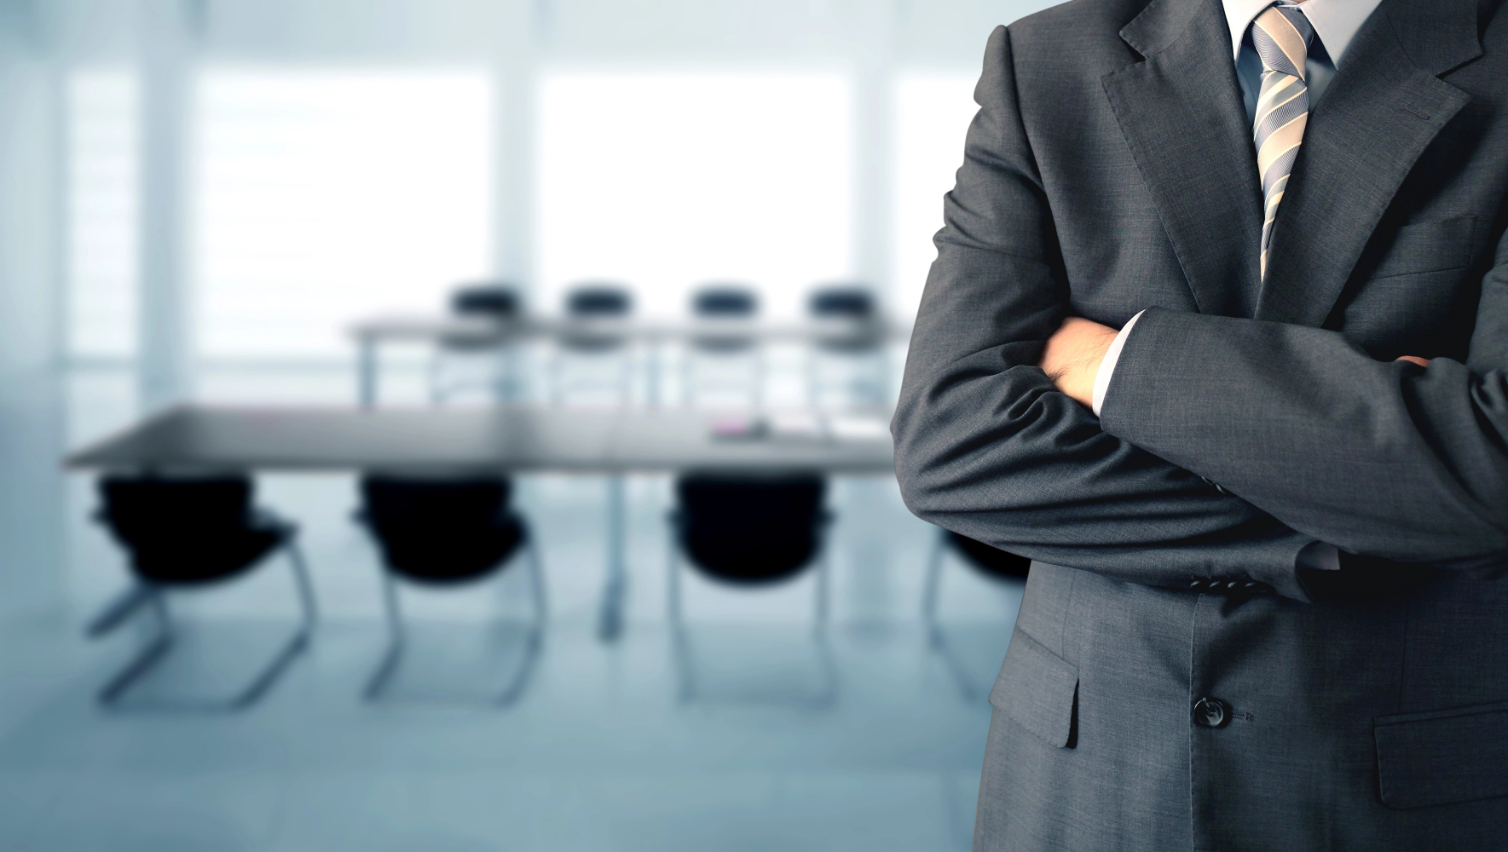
<point>102,214</point>
<point>932,114</point>
<point>664,180</point>
<point>323,196</point>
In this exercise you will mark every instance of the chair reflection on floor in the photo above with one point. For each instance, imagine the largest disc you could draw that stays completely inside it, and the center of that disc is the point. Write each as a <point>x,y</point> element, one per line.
<point>191,532</point>
<point>464,362</point>
<point>443,531</point>
<point>750,530</point>
<point>992,562</point>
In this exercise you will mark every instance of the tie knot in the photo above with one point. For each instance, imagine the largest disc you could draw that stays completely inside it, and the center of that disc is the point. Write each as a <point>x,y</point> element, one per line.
<point>1281,36</point>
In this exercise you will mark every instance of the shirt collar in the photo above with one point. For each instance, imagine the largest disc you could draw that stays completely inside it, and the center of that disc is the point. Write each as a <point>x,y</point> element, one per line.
<point>1334,21</point>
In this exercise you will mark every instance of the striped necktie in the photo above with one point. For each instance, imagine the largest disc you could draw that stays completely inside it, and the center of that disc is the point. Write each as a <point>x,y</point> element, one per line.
<point>1281,36</point>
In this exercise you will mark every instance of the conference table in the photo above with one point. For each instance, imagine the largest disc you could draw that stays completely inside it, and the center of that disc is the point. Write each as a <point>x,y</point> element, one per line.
<point>506,439</point>
<point>477,332</point>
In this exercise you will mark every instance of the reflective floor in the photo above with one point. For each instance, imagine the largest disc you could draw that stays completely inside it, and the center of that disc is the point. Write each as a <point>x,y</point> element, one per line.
<point>755,736</point>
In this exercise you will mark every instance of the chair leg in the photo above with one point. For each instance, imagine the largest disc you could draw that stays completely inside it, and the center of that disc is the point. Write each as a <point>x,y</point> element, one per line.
<point>824,582</point>
<point>158,647</point>
<point>120,610</point>
<point>389,663</point>
<point>520,679</point>
<point>305,586</point>
<point>309,614</point>
<point>537,583</point>
<point>933,588</point>
<point>149,656</point>
<point>680,640</point>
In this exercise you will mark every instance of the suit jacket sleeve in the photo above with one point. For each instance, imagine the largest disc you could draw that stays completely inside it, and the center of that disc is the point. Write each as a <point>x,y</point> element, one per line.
<point>985,444</point>
<point>1382,459</point>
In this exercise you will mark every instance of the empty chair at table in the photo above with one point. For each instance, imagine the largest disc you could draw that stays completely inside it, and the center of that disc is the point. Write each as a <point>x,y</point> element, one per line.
<point>750,531</point>
<point>593,359</point>
<point>723,354</point>
<point>991,562</point>
<point>485,355</point>
<point>189,533</point>
<point>847,362</point>
<point>440,530</point>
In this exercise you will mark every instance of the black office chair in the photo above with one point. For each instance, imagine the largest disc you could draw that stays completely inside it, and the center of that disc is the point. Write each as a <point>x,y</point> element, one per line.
<point>991,562</point>
<point>455,366</point>
<point>590,311</point>
<point>749,530</point>
<point>442,531</point>
<point>190,532</point>
<point>854,346</point>
<point>713,349</point>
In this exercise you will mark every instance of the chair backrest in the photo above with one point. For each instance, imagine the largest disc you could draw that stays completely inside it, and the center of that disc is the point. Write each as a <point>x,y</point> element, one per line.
<point>719,301</point>
<point>599,301</point>
<point>494,301</point>
<point>842,301</point>
<point>147,511</point>
<point>440,528</point>
<point>990,560</point>
<point>750,528</point>
<point>184,529</point>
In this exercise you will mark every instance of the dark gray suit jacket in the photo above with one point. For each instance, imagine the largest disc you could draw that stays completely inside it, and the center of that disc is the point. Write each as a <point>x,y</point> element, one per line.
<point>1111,169</point>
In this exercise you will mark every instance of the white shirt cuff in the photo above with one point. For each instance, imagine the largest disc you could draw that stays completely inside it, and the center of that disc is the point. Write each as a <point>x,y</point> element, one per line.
<point>1317,554</point>
<point>1107,366</point>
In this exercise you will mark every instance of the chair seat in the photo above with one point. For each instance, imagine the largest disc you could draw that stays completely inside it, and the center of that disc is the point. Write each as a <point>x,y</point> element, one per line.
<point>744,557</point>
<point>426,557</point>
<point>199,556</point>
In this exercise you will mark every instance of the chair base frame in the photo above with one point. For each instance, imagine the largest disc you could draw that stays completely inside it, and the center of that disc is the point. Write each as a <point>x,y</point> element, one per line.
<point>381,678</point>
<point>114,692</point>
<point>688,691</point>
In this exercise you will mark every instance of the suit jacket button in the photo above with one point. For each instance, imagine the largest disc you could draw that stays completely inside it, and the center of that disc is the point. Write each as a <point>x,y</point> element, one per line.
<point>1196,584</point>
<point>1256,588</point>
<point>1233,585</point>
<point>1211,713</point>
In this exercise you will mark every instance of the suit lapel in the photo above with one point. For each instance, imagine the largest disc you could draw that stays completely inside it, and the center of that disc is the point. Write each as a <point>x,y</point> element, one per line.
<point>1181,113</point>
<point>1381,111</point>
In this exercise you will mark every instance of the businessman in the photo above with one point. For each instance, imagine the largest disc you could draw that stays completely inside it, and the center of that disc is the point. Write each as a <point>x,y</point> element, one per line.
<point>1217,335</point>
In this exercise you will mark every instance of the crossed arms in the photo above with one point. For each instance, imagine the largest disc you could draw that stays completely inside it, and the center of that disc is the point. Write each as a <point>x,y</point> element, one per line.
<point>1311,439</point>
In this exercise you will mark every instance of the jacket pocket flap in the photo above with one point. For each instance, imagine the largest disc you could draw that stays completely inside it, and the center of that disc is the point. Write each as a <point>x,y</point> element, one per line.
<point>1446,756</point>
<point>1038,690</point>
<point>1428,247</point>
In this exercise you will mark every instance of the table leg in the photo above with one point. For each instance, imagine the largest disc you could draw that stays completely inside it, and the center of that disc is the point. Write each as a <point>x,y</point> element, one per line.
<point>366,371</point>
<point>615,587</point>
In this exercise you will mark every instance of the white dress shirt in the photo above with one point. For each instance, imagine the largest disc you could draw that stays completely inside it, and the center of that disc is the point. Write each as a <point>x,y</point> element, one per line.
<point>1335,23</point>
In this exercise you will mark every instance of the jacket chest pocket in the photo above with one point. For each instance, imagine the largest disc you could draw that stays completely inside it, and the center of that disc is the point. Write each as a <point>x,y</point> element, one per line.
<point>1416,298</point>
<point>1427,247</point>
<point>1447,756</point>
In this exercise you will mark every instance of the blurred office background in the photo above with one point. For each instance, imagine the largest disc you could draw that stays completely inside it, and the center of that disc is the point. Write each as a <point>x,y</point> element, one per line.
<point>199,199</point>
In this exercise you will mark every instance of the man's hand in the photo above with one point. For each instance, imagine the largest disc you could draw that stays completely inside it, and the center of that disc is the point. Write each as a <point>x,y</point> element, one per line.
<point>1073,355</point>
